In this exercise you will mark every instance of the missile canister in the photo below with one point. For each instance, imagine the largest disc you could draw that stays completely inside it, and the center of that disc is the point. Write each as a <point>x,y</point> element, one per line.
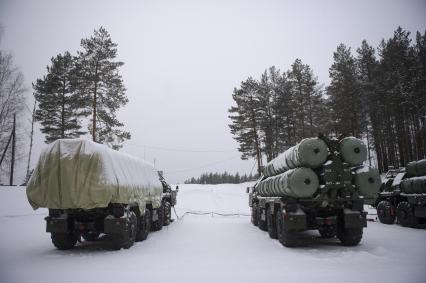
<point>297,183</point>
<point>367,180</point>
<point>415,185</point>
<point>353,151</point>
<point>416,168</point>
<point>310,153</point>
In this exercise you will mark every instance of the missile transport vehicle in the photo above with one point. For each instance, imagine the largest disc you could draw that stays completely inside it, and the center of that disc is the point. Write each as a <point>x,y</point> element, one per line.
<point>91,190</point>
<point>405,198</point>
<point>318,184</point>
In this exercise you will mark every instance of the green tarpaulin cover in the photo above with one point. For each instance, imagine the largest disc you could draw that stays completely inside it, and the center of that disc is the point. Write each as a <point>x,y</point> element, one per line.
<point>77,173</point>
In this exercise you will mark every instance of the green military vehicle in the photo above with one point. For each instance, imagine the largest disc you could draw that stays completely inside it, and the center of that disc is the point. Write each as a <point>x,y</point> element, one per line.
<point>404,196</point>
<point>319,184</point>
<point>91,190</point>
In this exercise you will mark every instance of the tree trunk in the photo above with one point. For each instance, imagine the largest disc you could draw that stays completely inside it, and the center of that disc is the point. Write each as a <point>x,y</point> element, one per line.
<point>63,109</point>
<point>95,104</point>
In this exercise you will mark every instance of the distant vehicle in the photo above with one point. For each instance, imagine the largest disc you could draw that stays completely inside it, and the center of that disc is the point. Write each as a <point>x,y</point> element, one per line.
<point>319,184</point>
<point>91,190</point>
<point>403,196</point>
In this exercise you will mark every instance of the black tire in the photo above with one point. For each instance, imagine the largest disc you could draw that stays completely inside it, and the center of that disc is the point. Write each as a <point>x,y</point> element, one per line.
<point>254,214</point>
<point>386,212</point>
<point>64,241</point>
<point>350,236</point>
<point>144,226</point>
<point>405,215</point>
<point>128,237</point>
<point>167,213</point>
<point>158,225</point>
<point>90,236</point>
<point>261,223</point>
<point>271,224</point>
<point>327,232</point>
<point>288,239</point>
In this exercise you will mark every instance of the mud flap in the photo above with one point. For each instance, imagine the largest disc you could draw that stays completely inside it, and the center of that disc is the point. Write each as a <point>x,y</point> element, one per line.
<point>420,211</point>
<point>57,224</point>
<point>294,220</point>
<point>115,226</point>
<point>355,218</point>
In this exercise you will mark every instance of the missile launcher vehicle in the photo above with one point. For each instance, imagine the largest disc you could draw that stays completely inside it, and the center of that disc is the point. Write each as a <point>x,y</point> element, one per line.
<point>91,190</point>
<point>319,184</point>
<point>404,197</point>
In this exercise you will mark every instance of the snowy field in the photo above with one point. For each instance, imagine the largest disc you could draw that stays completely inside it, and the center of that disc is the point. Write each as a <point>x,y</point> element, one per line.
<point>204,248</point>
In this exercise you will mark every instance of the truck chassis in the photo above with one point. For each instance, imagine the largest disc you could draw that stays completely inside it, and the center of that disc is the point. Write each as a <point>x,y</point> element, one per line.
<point>122,223</point>
<point>285,218</point>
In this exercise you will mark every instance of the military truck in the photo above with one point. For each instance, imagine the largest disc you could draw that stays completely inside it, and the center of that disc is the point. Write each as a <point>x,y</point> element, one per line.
<point>405,198</point>
<point>90,189</point>
<point>318,184</point>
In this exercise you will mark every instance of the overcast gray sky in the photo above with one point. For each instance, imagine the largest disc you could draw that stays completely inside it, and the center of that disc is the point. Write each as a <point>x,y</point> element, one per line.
<point>183,59</point>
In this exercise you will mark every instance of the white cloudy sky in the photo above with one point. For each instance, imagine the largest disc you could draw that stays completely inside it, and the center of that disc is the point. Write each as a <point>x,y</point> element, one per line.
<point>183,59</point>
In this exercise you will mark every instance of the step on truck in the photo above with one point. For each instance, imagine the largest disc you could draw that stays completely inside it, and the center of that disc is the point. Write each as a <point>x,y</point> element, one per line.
<point>319,184</point>
<point>404,197</point>
<point>91,190</point>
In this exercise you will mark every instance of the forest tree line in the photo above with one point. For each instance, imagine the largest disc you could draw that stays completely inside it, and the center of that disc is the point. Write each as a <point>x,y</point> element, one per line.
<point>221,178</point>
<point>377,94</point>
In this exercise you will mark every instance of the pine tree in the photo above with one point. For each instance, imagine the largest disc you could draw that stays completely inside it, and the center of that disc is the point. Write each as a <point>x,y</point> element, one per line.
<point>347,110</point>
<point>367,71</point>
<point>418,116</point>
<point>245,121</point>
<point>101,79</point>
<point>307,101</point>
<point>396,86</point>
<point>299,102</point>
<point>60,107</point>
<point>285,114</point>
<point>267,126</point>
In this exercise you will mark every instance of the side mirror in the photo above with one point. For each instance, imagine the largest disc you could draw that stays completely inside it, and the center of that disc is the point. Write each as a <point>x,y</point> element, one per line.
<point>177,188</point>
<point>247,190</point>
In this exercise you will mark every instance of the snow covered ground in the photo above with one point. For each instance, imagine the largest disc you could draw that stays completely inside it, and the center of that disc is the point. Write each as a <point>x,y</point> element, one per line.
<point>204,248</point>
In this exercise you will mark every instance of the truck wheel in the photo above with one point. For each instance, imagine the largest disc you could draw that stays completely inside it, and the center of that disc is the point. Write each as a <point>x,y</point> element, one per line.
<point>144,226</point>
<point>90,236</point>
<point>261,223</point>
<point>286,238</point>
<point>254,214</point>
<point>128,237</point>
<point>327,232</point>
<point>271,224</point>
<point>158,225</point>
<point>405,215</point>
<point>350,236</point>
<point>167,213</point>
<point>64,241</point>
<point>386,212</point>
